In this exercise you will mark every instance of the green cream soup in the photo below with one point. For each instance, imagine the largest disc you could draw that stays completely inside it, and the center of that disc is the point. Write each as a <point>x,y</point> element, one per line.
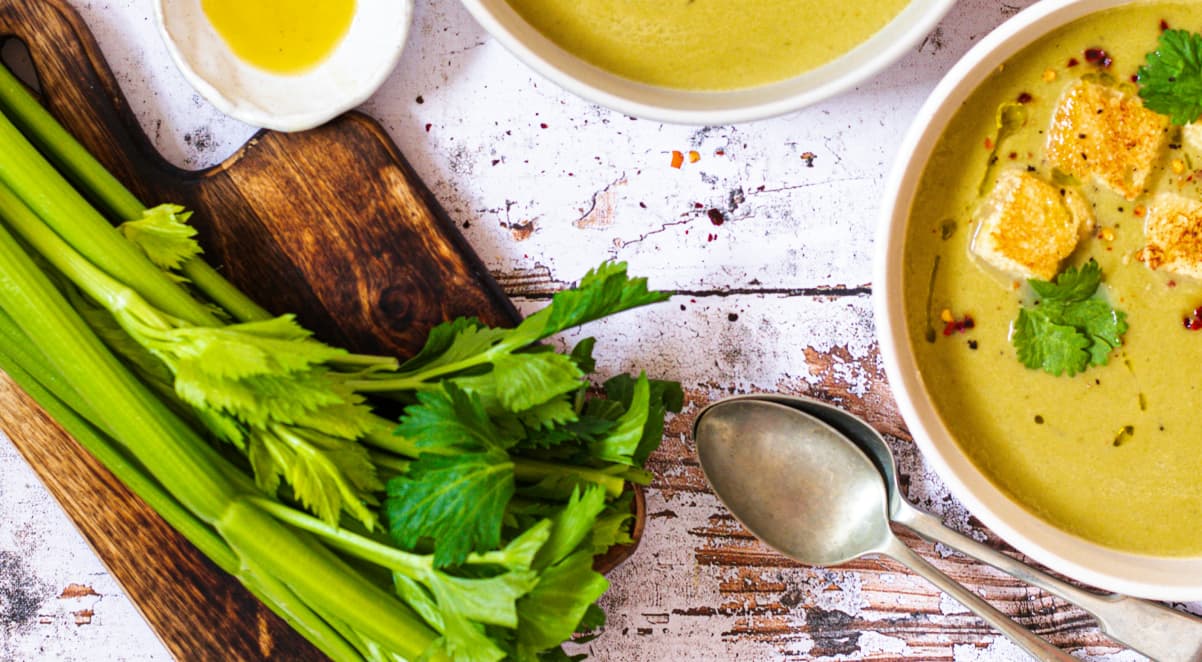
<point>708,44</point>
<point>1113,454</point>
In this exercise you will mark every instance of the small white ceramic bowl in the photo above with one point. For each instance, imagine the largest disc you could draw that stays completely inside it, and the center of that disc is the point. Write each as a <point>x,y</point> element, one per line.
<point>357,67</point>
<point>708,108</point>
<point>1133,574</point>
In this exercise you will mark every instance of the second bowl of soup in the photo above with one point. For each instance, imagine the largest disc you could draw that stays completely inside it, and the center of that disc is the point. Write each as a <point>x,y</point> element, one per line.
<point>1039,291</point>
<point>712,62</point>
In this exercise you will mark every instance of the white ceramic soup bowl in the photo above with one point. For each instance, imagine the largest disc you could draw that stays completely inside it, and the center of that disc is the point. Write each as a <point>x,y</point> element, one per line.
<point>708,108</point>
<point>1124,572</point>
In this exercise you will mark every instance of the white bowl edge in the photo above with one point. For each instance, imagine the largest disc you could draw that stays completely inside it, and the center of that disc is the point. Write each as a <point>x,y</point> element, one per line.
<point>327,107</point>
<point>673,106</point>
<point>1159,578</point>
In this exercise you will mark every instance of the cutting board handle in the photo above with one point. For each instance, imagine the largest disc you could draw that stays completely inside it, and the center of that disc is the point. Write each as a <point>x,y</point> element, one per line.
<point>73,76</point>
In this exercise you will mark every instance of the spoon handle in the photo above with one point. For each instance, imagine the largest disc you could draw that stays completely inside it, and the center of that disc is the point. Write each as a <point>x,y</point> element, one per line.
<point>1026,639</point>
<point>1163,634</point>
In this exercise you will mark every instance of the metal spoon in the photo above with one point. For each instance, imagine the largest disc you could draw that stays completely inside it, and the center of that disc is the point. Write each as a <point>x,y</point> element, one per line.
<point>811,494</point>
<point>1161,633</point>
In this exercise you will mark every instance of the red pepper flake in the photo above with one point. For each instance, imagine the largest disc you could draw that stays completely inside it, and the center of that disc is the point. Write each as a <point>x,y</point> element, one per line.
<point>643,205</point>
<point>719,152</point>
<point>677,159</point>
<point>716,216</point>
<point>1072,62</point>
<point>1194,322</point>
<point>1025,98</point>
<point>428,127</point>
<point>1164,25</point>
<point>1134,78</point>
<point>953,325</point>
<point>989,143</point>
<point>809,157</point>
<point>698,205</point>
<point>542,125</point>
<point>1098,57</point>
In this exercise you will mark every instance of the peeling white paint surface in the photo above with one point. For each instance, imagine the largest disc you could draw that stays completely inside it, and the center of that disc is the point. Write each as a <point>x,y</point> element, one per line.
<point>767,239</point>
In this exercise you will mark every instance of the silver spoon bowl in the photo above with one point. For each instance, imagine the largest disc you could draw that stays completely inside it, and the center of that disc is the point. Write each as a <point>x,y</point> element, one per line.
<point>803,488</point>
<point>1161,633</point>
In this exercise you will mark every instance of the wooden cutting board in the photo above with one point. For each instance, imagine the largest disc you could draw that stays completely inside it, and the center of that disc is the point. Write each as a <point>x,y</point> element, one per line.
<point>331,224</point>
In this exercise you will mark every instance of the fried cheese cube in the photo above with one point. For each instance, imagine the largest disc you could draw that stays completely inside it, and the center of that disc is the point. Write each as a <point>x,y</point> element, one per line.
<point>1191,135</point>
<point>1026,226</point>
<point>1102,133</point>
<point>1173,235</point>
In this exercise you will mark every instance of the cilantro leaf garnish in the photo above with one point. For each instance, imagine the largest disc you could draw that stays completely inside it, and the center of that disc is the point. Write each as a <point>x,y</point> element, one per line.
<point>1070,329</point>
<point>1171,82</point>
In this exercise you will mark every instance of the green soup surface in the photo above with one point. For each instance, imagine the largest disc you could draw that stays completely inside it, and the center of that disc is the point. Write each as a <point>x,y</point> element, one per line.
<point>1113,454</point>
<point>708,44</point>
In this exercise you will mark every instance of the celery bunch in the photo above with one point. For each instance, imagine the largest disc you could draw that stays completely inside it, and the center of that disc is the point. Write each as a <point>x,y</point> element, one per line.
<point>466,531</point>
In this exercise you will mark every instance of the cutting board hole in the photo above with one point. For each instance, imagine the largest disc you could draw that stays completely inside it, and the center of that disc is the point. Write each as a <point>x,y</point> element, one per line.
<point>15,55</point>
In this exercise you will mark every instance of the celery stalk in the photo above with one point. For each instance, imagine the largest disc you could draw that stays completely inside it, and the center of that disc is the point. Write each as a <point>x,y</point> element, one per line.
<point>37,124</point>
<point>35,378</point>
<point>36,182</point>
<point>152,434</point>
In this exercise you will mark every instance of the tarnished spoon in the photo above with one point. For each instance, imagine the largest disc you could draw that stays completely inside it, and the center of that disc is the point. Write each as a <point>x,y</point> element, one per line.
<point>1160,633</point>
<point>814,496</point>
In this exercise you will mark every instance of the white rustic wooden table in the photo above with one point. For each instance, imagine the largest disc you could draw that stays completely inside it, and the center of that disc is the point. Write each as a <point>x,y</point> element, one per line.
<point>767,243</point>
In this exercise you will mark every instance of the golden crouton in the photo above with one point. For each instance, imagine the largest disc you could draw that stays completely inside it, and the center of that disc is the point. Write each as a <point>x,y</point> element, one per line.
<point>1103,133</point>
<point>1027,226</point>
<point>1173,235</point>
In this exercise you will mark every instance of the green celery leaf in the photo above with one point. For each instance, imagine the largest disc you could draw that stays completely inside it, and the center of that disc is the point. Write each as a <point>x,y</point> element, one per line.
<point>546,416</point>
<point>603,291</point>
<point>526,380</point>
<point>520,552</point>
<point>438,341</point>
<point>594,619</point>
<point>1171,81</point>
<point>557,654</point>
<point>451,418</point>
<point>419,598</point>
<point>457,501</point>
<point>622,443</point>
<point>327,475</point>
<point>1055,348</point>
<point>606,409</point>
<point>551,612</point>
<point>272,347</point>
<point>571,525</point>
<point>453,342</point>
<point>587,429</point>
<point>164,235</point>
<point>620,387</point>
<point>582,354</point>
<point>613,525</point>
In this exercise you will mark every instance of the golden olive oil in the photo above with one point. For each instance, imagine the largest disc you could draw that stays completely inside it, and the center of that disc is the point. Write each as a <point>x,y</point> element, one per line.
<point>281,37</point>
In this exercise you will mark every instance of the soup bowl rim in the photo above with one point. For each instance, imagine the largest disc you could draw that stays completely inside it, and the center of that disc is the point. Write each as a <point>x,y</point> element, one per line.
<point>678,106</point>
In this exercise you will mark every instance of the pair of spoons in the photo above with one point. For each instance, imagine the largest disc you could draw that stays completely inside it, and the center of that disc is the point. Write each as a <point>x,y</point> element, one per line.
<point>819,485</point>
